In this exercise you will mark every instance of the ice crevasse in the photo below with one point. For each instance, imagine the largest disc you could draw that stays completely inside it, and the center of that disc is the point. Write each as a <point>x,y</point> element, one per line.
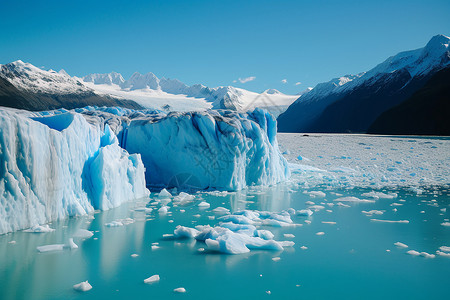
<point>60,165</point>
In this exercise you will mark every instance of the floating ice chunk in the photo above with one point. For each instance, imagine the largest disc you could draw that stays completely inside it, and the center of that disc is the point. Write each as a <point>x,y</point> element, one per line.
<point>164,194</point>
<point>307,221</point>
<point>183,198</point>
<point>342,204</point>
<point>163,210</point>
<point>83,234</point>
<point>390,221</point>
<point>154,247</point>
<point>221,210</point>
<point>316,208</point>
<point>396,204</point>
<point>373,212</point>
<point>147,210</point>
<point>400,245</point>
<point>291,211</point>
<point>265,234</point>
<point>286,243</point>
<point>305,212</point>
<point>427,255</point>
<point>443,210</point>
<point>303,247</point>
<point>413,252</point>
<point>309,203</point>
<point>320,233</point>
<point>289,235</point>
<point>447,224</point>
<point>315,194</point>
<point>134,255</point>
<point>114,224</point>
<point>329,222</point>
<point>237,219</point>
<point>380,195</point>
<point>12,242</point>
<point>443,253</point>
<point>185,232</point>
<point>276,223</point>
<point>353,199</point>
<point>204,204</point>
<point>276,258</point>
<point>180,290</point>
<point>152,279</point>
<point>51,248</point>
<point>71,244</point>
<point>444,248</point>
<point>83,286</point>
<point>40,229</point>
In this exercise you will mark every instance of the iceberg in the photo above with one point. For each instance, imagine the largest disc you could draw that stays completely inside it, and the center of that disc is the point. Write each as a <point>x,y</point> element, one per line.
<point>55,165</point>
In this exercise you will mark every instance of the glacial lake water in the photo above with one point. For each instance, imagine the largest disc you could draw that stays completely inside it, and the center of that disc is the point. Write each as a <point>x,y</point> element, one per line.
<point>355,258</point>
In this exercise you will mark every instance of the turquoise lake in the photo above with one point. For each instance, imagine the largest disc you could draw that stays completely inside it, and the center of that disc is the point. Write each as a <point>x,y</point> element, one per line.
<point>355,258</point>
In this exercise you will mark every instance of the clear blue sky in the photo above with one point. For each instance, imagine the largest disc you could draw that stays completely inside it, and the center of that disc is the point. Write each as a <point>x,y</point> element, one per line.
<point>218,42</point>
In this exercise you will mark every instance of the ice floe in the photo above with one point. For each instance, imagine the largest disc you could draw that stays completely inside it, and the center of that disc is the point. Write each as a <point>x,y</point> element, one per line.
<point>152,279</point>
<point>83,286</point>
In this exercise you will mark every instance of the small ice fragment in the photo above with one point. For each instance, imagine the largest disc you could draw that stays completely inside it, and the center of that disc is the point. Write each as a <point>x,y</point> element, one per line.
<point>152,279</point>
<point>447,224</point>
<point>444,248</point>
<point>201,249</point>
<point>182,210</point>
<point>320,233</point>
<point>197,216</point>
<point>413,252</point>
<point>114,224</point>
<point>328,222</point>
<point>353,199</point>
<point>204,204</point>
<point>427,255</point>
<point>422,212</point>
<point>303,247</point>
<point>342,204</point>
<point>268,292</point>
<point>82,286</point>
<point>308,221</point>
<point>134,255</point>
<point>400,245</point>
<point>221,210</point>
<point>164,194</point>
<point>305,212</point>
<point>163,210</point>
<point>309,203</point>
<point>168,236</point>
<point>390,221</point>
<point>443,253</point>
<point>155,247</point>
<point>155,244</point>
<point>50,248</point>
<point>12,242</point>
<point>71,244</point>
<point>40,229</point>
<point>83,234</point>
<point>180,290</point>
<point>289,235</point>
<point>276,258</point>
<point>211,217</point>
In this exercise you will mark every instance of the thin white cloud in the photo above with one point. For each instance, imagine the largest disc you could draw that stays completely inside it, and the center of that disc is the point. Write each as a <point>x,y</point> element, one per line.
<point>247,79</point>
<point>284,81</point>
<point>298,83</point>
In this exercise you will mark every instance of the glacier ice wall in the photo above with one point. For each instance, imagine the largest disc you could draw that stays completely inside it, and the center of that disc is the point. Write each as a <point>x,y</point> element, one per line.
<point>60,165</point>
<point>214,149</point>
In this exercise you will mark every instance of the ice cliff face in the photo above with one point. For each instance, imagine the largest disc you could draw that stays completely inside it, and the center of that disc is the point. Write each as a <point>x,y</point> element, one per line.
<point>214,149</point>
<point>64,163</point>
<point>59,165</point>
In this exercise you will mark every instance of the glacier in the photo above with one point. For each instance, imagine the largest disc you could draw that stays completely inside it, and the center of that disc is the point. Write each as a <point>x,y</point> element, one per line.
<point>59,165</point>
<point>64,163</point>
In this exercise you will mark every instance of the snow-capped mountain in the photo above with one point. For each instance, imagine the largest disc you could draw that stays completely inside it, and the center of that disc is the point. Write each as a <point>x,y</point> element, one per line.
<point>172,94</point>
<point>351,103</point>
<point>23,85</point>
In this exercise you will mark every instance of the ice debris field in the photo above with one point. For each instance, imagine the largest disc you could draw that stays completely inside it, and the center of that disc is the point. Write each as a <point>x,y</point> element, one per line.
<point>322,211</point>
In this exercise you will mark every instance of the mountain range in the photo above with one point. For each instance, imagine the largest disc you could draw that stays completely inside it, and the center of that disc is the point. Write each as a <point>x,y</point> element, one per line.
<point>375,101</point>
<point>25,86</point>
